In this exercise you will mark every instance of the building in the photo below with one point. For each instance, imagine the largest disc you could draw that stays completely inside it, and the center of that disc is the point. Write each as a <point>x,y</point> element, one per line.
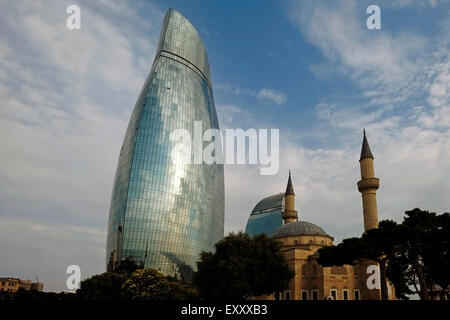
<point>37,286</point>
<point>14,284</point>
<point>26,284</point>
<point>165,211</point>
<point>9,284</point>
<point>301,239</point>
<point>266,216</point>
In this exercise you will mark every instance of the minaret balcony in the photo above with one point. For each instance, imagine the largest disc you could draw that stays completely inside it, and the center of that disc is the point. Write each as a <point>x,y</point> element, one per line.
<point>289,215</point>
<point>368,183</point>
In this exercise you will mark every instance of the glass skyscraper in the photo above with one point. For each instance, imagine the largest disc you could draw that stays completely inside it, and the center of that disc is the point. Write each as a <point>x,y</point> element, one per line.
<point>266,216</point>
<point>164,211</point>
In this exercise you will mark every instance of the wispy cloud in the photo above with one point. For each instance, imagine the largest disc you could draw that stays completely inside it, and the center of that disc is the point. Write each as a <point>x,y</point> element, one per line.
<point>409,3</point>
<point>65,100</point>
<point>269,95</point>
<point>394,72</point>
<point>381,61</point>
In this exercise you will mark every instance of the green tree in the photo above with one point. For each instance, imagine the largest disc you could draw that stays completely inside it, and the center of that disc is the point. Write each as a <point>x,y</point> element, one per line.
<point>23,295</point>
<point>127,266</point>
<point>146,284</point>
<point>421,256</point>
<point>413,254</point>
<point>351,250</point>
<point>142,284</point>
<point>242,267</point>
<point>426,247</point>
<point>181,290</point>
<point>105,286</point>
<point>437,255</point>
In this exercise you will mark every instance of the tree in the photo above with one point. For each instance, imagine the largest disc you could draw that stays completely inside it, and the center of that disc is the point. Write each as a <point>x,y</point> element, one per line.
<point>142,284</point>
<point>427,248</point>
<point>421,258</point>
<point>146,284</point>
<point>181,290</point>
<point>351,250</point>
<point>23,295</point>
<point>398,273</point>
<point>127,266</point>
<point>384,245</point>
<point>413,254</point>
<point>242,267</point>
<point>380,246</point>
<point>437,254</point>
<point>105,286</point>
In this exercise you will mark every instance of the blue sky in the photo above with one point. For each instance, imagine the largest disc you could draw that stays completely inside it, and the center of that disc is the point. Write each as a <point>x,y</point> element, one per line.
<point>309,68</point>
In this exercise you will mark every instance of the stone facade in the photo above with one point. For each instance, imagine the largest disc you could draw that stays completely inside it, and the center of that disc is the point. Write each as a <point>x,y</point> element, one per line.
<point>314,282</point>
<point>14,284</point>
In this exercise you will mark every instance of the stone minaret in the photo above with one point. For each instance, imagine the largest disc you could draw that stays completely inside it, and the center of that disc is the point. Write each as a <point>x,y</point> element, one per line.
<point>289,214</point>
<point>368,186</point>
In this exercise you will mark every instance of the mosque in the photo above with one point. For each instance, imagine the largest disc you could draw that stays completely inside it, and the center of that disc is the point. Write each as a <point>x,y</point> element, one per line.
<point>277,217</point>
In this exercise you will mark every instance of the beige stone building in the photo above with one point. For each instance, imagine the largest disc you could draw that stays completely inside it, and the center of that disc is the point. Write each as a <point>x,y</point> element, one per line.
<point>301,240</point>
<point>14,284</point>
<point>9,284</point>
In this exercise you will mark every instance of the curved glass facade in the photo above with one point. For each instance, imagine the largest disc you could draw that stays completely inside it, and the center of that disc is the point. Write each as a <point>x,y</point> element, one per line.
<point>164,212</point>
<point>266,216</point>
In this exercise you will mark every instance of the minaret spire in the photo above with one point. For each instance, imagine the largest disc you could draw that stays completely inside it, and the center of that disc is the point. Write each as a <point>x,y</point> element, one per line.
<point>368,186</point>
<point>289,214</point>
<point>289,188</point>
<point>365,149</point>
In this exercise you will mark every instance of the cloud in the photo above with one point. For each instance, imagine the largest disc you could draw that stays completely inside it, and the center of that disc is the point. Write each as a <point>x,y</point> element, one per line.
<point>45,250</point>
<point>269,95</point>
<point>273,95</point>
<point>411,3</point>
<point>390,70</point>
<point>232,116</point>
<point>65,100</point>
<point>374,59</point>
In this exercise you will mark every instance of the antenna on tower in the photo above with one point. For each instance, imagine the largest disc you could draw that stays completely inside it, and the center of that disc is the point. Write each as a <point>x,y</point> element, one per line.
<point>145,257</point>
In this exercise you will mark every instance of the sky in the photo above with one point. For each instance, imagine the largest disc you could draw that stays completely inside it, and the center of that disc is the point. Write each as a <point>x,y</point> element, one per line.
<point>311,69</point>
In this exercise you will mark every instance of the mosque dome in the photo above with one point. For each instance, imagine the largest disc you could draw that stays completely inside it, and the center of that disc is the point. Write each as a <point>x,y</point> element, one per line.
<point>298,228</point>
